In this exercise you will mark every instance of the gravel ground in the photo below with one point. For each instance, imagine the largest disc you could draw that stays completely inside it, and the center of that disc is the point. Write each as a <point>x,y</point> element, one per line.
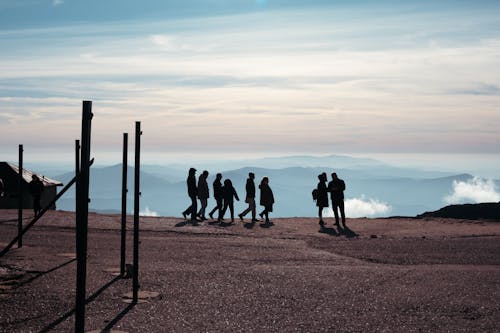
<point>382,275</point>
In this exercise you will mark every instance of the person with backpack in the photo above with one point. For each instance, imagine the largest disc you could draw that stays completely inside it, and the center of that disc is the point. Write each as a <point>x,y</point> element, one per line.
<point>321,196</point>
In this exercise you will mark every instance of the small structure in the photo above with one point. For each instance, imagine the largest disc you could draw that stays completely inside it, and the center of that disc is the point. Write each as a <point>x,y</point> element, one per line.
<point>10,176</point>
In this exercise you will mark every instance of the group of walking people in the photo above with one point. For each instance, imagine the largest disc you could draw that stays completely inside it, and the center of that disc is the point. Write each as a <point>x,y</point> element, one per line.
<point>224,195</point>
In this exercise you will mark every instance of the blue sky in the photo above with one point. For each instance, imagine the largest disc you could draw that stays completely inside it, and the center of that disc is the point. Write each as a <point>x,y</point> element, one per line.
<point>253,76</point>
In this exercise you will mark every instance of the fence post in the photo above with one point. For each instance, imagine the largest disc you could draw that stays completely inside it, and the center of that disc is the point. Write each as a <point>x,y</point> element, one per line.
<point>20,202</point>
<point>82,210</point>
<point>124,204</point>
<point>77,157</point>
<point>137,193</point>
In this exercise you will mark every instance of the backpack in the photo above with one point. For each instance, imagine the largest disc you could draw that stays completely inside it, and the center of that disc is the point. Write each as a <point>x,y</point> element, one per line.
<point>315,194</point>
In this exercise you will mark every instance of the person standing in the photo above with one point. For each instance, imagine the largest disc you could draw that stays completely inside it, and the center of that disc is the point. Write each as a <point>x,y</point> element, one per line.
<point>203,194</point>
<point>336,188</point>
<point>192,193</point>
<point>217,196</point>
<point>266,198</point>
<point>229,193</point>
<point>36,188</point>
<point>250,198</point>
<point>322,197</point>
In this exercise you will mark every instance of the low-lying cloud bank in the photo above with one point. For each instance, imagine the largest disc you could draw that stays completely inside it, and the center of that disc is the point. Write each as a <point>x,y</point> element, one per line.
<point>148,212</point>
<point>475,190</point>
<point>363,207</point>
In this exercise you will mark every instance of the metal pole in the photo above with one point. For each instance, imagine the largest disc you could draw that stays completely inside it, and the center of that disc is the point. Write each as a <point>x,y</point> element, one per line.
<point>124,204</point>
<point>20,204</point>
<point>77,157</point>
<point>82,211</point>
<point>137,193</point>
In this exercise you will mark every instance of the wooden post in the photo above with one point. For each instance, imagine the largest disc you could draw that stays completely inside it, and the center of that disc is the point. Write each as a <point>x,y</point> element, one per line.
<point>124,205</point>
<point>82,211</point>
<point>137,193</point>
<point>20,201</point>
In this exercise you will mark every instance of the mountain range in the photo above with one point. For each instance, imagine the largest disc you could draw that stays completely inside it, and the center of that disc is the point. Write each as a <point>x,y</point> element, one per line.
<point>395,191</point>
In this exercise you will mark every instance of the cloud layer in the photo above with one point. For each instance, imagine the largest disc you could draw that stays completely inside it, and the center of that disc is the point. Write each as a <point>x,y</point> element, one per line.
<point>148,212</point>
<point>403,80</point>
<point>363,207</point>
<point>475,190</point>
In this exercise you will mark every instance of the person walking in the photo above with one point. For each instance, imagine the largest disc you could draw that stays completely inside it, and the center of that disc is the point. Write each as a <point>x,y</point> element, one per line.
<point>336,187</point>
<point>250,198</point>
<point>229,193</point>
<point>192,193</point>
<point>266,199</point>
<point>322,196</point>
<point>36,188</point>
<point>218,197</point>
<point>203,194</point>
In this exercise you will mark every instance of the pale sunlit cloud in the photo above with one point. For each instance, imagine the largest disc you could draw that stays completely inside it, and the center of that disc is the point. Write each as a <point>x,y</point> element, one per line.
<point>363,207</point>
<point>474,190</point>
<point>214,79</point>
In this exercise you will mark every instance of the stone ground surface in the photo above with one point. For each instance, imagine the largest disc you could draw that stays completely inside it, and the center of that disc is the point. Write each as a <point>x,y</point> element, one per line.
<point>384,275</point>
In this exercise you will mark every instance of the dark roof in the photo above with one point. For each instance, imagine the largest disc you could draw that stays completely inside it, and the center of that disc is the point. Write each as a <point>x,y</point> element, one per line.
<point>27,175</point>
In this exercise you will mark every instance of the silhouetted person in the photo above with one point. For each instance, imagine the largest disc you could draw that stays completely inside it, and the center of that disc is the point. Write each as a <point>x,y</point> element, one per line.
<point>322,197</point>
<point>36,188</point>
<point>336,188</point>
<point>218,196</point>
<point>192,192</point>
<point>229,193</point>
<point>203,194</point>
<point>250,198</point>
<point>266,198</point>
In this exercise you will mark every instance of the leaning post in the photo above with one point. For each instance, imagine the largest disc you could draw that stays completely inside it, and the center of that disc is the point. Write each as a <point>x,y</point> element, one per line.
<point>82,210</point>
<point>124,205</point>
<point>20,200</point>
<point>137,193</point>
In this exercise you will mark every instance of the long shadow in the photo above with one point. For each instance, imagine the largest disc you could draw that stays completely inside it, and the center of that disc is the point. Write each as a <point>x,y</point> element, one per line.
<point>118,317</point>
<point>266,225</point>
<point>90,299</point>
<point>40,274</point>
<point>181,224</point>
<point>329,231</point>
<point>249,225</point>
<point>347,232</point>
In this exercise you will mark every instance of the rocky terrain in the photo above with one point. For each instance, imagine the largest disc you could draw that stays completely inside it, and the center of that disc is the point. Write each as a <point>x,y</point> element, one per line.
<point>379,275</point>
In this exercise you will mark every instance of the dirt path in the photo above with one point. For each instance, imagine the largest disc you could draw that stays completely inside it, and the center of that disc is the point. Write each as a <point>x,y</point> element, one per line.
<point>389,275</point>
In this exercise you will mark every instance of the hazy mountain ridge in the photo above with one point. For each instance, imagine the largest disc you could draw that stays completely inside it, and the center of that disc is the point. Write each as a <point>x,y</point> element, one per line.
<point>164,193</point>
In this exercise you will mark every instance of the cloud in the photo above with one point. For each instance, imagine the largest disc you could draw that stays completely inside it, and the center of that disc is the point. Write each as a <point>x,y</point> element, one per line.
<point>148,212</point>
<point>480,89</point>
<point>363,207</point>
<point>474,190</point>
<point>56,3</point>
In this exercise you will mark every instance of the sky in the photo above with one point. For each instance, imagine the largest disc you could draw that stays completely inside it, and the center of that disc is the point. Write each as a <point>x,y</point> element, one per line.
<point>252,76</point>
